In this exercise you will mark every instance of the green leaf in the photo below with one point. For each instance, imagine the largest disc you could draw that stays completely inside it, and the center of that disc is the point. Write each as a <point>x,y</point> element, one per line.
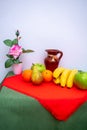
<point>9,63</point>
<point>15,41</point>
<point>27,51</point>
<point>8,42</point>
<point>9,56</point>
<point>16,61</point>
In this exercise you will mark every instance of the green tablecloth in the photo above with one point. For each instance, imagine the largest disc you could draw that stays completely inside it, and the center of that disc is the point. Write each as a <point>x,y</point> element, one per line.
<point>21,112</point>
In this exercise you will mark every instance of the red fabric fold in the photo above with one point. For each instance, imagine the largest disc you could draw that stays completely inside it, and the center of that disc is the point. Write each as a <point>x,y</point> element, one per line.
<point>60,102</point>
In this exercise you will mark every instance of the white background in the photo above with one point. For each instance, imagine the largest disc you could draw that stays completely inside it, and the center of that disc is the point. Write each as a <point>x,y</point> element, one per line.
<point>43,24</point>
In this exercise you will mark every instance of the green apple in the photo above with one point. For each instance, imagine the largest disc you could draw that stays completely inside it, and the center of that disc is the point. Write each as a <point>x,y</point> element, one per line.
<point>40,67</point>
<point>80,79</point>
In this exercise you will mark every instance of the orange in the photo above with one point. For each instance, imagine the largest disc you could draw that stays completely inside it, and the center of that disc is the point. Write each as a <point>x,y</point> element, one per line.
<point>26,75</point>
<point>47,75</point>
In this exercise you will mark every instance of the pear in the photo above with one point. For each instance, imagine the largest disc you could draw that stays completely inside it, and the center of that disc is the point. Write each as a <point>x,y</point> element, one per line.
<point>36,77</point>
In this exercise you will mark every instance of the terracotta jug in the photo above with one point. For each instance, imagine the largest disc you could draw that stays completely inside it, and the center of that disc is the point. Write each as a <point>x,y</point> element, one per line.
<point>52,59</point>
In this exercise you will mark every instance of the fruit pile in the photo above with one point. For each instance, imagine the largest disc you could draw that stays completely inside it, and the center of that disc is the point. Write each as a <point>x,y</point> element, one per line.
<point>62,76</point>
<point>37,74</point>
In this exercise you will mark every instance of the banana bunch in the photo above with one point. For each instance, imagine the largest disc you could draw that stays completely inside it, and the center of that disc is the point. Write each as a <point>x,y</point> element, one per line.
<point>64,76</point>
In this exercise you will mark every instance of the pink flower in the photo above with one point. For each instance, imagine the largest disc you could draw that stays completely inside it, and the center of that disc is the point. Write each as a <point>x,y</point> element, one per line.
<point>15,51</point>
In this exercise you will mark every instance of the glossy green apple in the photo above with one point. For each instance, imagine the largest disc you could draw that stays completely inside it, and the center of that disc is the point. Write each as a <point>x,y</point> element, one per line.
<point>40,67</point>
<point>80,79</point>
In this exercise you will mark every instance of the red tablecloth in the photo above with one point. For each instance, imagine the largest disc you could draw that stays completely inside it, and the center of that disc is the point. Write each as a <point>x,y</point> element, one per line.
<point>60,102</point>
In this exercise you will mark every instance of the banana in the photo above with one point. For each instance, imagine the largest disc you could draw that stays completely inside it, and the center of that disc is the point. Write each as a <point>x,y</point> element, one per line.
<point>71,78</point>
<point>64,77</point>
<point>57,80</point>
<point>57,72</point>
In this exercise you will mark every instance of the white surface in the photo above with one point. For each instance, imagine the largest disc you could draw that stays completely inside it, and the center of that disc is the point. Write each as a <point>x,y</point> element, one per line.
<point>58,24</point>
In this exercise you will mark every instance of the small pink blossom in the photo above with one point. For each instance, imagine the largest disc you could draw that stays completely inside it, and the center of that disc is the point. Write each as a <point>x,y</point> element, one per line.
<point>15,51</point>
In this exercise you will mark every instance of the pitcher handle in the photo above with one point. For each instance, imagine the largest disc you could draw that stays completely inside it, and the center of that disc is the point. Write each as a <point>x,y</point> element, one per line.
<point>60,54</point>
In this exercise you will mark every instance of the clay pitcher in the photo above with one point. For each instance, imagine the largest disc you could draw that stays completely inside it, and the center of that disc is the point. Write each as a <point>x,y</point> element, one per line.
<point>52,59</point>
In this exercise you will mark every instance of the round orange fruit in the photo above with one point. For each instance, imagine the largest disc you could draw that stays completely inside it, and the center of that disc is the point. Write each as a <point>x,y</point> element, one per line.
<point>26,75</point>
<point>47,75</point>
